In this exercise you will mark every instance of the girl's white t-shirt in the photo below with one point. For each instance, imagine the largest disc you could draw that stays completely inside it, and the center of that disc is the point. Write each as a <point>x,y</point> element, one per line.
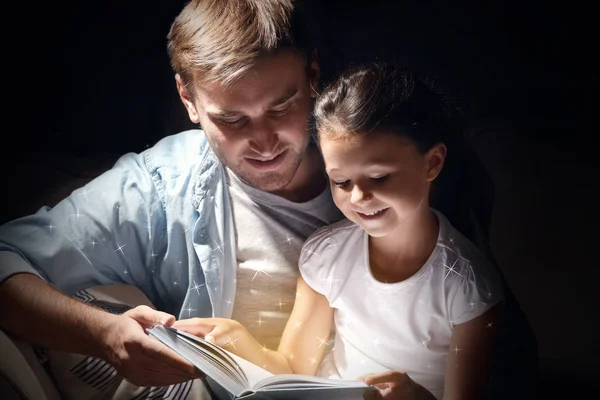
<point>399,326</point>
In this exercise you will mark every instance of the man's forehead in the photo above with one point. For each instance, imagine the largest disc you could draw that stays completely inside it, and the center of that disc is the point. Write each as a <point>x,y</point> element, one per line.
<point>236,100</point>
<point>271,80</point>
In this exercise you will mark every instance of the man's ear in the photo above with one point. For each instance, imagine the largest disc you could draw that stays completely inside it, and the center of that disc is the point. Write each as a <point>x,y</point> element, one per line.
<point>314,73</point>
<point>187,99</point>
<point>435,159</point>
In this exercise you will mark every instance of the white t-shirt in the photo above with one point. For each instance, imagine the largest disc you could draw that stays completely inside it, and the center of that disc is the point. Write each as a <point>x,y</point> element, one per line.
<point>399,326</point>
<point>270,232</point>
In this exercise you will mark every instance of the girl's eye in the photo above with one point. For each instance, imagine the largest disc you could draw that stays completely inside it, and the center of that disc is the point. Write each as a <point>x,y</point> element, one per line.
<point>380,178</point>
<point>340,184</point>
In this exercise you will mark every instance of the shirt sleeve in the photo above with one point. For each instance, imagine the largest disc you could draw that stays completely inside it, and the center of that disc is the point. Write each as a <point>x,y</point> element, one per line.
<point>476,289</point>
<point>102,233</point>
<point>315,262</point>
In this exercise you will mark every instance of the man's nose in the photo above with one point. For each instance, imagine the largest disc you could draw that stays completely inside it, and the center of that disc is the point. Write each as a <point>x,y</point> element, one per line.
<point>264,140</point>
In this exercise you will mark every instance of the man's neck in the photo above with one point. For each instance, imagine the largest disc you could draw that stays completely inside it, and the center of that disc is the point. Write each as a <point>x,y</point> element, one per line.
<point>309,180</point>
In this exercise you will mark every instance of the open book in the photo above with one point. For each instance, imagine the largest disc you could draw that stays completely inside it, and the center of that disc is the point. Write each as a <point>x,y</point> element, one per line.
<point>244,380</point>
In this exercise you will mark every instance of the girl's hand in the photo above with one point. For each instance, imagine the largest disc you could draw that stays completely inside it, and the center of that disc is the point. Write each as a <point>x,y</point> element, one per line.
<point>220,331</point>
<point>396,385</point>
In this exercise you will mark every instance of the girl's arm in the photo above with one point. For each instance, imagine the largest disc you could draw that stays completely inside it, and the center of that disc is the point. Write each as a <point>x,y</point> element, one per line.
<point>301,348</point>
<point>306,334</point>
<point>471,350</point>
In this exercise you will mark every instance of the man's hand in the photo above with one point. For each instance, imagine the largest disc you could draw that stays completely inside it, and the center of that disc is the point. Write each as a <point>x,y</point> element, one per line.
<point>141,359</point>
<point>396,385</point>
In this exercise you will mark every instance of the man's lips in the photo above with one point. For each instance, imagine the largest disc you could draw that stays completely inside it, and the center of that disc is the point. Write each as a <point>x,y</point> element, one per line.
<point>264,163</point>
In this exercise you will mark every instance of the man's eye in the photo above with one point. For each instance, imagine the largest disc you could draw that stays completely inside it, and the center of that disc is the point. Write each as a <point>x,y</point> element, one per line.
<point>380,178</point>
<point>281,111</point>
<point>232,121</point>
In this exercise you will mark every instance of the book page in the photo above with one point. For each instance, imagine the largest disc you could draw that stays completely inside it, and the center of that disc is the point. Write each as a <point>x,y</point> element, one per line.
<point>208,359</point>
<point>304,381</point>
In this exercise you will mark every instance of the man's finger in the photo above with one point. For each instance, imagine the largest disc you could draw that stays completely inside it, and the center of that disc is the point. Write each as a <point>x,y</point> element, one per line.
<point>160,353</point>
<point>149,317</point>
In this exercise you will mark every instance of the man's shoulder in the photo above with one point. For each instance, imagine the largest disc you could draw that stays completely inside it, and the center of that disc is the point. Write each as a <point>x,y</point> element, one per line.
<point>178,151</point>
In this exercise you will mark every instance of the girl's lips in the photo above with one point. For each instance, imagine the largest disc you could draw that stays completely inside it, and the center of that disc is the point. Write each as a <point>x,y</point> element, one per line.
<point>378,214</point>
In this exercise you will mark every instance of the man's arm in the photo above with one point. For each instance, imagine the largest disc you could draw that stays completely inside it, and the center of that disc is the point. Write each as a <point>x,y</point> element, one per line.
<point>34,311</point>
<point>104,233</point>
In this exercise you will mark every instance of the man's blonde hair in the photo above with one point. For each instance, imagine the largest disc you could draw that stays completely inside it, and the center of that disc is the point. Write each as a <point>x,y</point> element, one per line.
<point>217,41</point>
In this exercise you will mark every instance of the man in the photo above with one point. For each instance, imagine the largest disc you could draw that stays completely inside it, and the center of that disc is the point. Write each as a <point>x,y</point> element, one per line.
<point>205,223</point>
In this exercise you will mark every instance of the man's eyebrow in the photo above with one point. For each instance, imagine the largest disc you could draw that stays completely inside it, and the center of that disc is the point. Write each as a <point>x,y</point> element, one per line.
<point>288,95</point>
<point>229,113</point>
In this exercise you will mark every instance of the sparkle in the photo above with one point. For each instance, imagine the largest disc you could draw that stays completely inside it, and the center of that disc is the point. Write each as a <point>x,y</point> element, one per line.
<point>280,304</point>
<point>424,342</point>
<point>196,286</point>
<point>260,321</point>
<point>451,240</point>
<point>229,302</point>
<point>180,262</point>
<point>175,283</point>
<point>264,348</point>
<point>376,341</point>
<point>50,227</point>
<point>189,310</point>
<point>291,357</point>
<point>153,255</point>
<point>219,247</point>
<point>93,243</point>
<point>84,193</point>
<point>312,253</point>
<point>126,272</point>
<point>456,349</point>
<point>259,271</point>
<point>231,342</point>
<point>330,281</point>
<point>489,324</point>
<point>289,239</point>
<point>120,248</point>
<point>77,215</point>
<point>312,360</point>
<point>451,269</point>
<point>322,341</point>
<point>298,325</point>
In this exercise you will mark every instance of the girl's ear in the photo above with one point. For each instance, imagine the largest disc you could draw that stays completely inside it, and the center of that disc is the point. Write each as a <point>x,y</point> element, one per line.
<point>434,161</point>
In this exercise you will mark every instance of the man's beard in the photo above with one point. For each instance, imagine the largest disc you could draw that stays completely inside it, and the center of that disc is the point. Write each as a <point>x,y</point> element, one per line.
<point>269,181</point>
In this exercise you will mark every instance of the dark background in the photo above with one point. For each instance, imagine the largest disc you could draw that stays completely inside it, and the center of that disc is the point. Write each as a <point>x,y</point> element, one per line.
<point>93,82</point>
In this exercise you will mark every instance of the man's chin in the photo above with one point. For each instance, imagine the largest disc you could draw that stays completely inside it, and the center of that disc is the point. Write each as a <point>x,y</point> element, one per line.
<point>268,181</point>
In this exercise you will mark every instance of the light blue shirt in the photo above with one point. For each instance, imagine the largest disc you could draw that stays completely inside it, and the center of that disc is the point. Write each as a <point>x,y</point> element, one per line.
<point>160,220</point>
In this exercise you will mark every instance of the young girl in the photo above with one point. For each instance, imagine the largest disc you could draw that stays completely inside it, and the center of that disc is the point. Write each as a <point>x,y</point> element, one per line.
<point>413,303</point>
